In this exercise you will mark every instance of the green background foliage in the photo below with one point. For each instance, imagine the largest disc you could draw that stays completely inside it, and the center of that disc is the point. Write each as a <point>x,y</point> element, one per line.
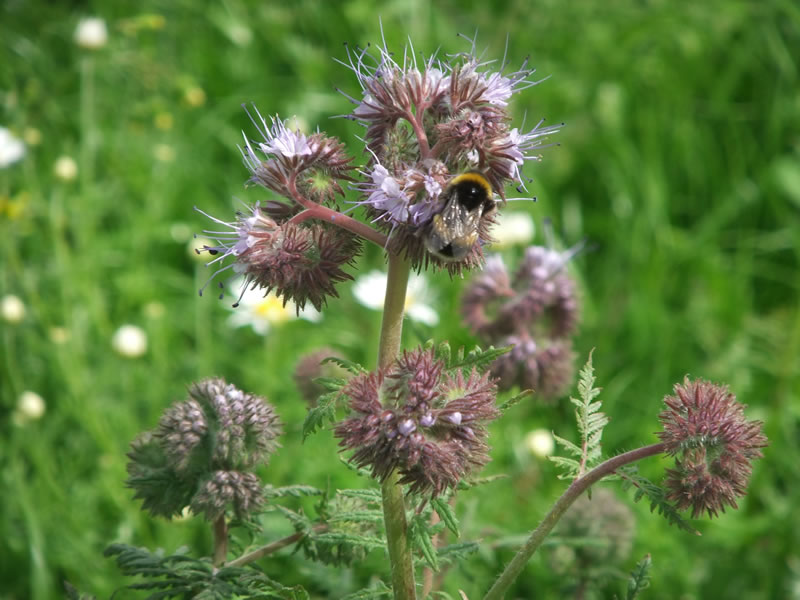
<point>679,164</point>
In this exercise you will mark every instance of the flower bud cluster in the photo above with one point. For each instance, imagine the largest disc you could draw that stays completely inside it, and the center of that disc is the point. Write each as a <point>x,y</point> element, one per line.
<point>535,312</point>
<point>202,452</point>
<point>421,419</point>
<point>713,444</point>
<point>426,122</point>
<point>301,260</point>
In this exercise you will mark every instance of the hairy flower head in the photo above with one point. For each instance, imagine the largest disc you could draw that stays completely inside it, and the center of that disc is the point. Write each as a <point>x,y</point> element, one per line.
<point>543,365</point>
<point>419,418</point>
<point>202,451</point>
<point>713,444</point>
<point>292,161</point>
<point>301,263</point>
<point>429,120</point>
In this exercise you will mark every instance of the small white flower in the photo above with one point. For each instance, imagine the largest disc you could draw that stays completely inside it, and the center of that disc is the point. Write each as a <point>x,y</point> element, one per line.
<point>12,309</point>
<point>91,33</point>
<point>370,290</point>
<point>540,442</point>
<point>130,341</point>
<point>65,168</point>
<point>513,228</point>
<point>30,407</point>
<point>12,148</point>
<point>264,312</point>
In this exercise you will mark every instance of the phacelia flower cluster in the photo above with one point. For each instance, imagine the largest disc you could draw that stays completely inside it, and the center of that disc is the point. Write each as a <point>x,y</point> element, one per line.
<point>713,444</point>
<point>421,419</point>
<point>535,311</point>
<point>203,451</point>
<point>428,123</point>
<point>273,246</point>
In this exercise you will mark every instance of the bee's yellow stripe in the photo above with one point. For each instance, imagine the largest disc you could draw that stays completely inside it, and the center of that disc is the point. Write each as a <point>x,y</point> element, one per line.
<point>474,177</point>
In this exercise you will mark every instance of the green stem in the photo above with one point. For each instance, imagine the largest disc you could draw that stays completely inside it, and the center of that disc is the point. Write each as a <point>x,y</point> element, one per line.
<point>263,551</point>
<point>572,493</point>
<point>220,540</point>
<point>394,510</point>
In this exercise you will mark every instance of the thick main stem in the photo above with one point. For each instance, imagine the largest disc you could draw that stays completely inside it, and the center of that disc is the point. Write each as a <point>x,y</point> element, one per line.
<point>394,509</point>
<point>572,493</point>
<point>220,540</point>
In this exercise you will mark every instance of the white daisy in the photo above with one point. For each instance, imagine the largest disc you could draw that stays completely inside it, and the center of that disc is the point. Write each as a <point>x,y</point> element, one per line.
<point>130,341</point>
<point>12,148</point>
<point>263,313</point>
<point>370,290</point>
<point>91,33</point>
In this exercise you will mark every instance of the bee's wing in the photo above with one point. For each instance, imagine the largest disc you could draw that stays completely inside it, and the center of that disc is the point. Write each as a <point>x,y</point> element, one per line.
<point>458,222</point>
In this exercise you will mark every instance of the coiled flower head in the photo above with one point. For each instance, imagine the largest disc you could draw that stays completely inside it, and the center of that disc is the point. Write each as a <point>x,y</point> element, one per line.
<point>535,311</point>
<point>203,450</point>
<point>417,417</point>
<point>302,263</point>
<point>546,366</point>
<point>427,121</point>
<point>713,444</point>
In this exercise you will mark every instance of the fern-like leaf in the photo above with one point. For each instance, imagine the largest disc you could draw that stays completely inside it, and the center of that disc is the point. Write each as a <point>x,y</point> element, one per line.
<point>590,426</point>
<point>655,494</point>
<point>640,577</point>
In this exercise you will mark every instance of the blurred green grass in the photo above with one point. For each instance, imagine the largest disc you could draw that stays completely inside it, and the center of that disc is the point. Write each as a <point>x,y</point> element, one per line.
<point>679,163</point>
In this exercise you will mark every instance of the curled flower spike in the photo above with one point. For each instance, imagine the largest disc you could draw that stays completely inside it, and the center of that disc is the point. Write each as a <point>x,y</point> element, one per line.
<point>302,263</point>
<point>419,418</point>
<point>544,366</point>
<point>713,443</point>
<point>535,311</point>
<point>202,451</point>
<point>295,162</point>
<point>428,122</point>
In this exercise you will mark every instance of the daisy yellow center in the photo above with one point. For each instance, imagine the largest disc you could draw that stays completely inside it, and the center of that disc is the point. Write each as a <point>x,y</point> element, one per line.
<point>272,309</point>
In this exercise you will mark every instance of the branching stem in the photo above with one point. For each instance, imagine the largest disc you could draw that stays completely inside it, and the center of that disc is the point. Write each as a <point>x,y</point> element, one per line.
<point>572,493</point>
<point>323,213</point>
<point>263,551</point>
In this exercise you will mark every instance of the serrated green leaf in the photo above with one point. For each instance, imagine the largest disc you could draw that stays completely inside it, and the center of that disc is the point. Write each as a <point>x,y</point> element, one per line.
<point>515,400</point>
<point>568,446</point>
<point>446,514</point>
<point>640,577</point>
<point>372,496</point>
<point>466,485</point>
<point>422,539</point>
<point>381,591</point>
<point>294,491</point>
<point>331,384</point>
<point>444,353</point>
<point>349,365</point>
<point>478,357</point>
<point>317,416</point>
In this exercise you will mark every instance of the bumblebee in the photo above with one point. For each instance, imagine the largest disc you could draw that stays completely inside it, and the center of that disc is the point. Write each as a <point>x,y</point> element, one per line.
<point>454,231</point>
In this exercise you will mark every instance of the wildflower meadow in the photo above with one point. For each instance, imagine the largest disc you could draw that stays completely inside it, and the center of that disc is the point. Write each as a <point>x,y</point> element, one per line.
<point>425,300</point>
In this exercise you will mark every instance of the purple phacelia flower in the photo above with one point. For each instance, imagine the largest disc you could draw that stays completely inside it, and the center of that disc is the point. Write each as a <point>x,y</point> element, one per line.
<point>545,366</point>
<point>420,419</point>
<point>535,311</point>
<point>302,263</point>
<point>713,444</point>
<point>293,160</point>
